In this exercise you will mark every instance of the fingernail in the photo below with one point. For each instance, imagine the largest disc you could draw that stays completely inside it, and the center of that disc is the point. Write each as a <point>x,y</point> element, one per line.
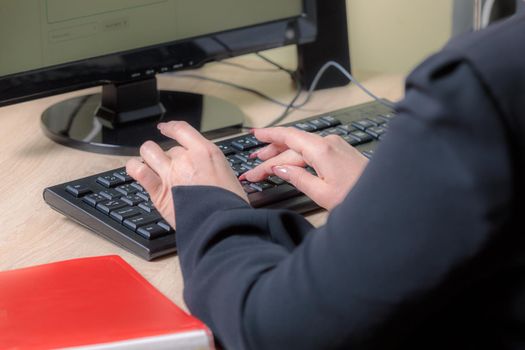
<point>160,126</point>
<point>242,177</point>
<point>253,155</point>
<point>282,172</point>
<point>252,131</point>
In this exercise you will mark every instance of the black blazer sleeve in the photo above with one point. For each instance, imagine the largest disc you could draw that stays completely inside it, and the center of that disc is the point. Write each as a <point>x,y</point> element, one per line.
<point>412,234</point>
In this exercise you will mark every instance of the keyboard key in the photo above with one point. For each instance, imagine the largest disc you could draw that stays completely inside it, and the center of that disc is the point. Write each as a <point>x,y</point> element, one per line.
<point>147,206</point>
<point>135,222</point>
<point>252,163</point>
<point>244,156</point>
<point>244,144</point>
<point>107,207</point>
<point>378,120</point>
<point>109,181</point>
<point>110,194</point>
<point>78,190</point>
<point>376,131</point>
<point>361,136</point>
<point>125,213</point>
<point>127,190</point>
<point>132,200</point>
<point>305,127</point>
<point>351,140</point>
<point>253,139</point>
<point>246,186</point>
<point>144,195</point>
<point>94,199</point>
<point>137,186</point>
<point>164,224</point>
<point>368,154</point>
<point>331,120</point>
<point>152,231</point>
<point>332,131</point>
<point>273,195</point>
<point>276,180</point>
<point>123,175</point>
<point>319,124</point>
<point>388,116</point>
<point>226,150</point>
<point>239,169</point>
<point>234,160</point>
<point>262,186</point>
<point>364,124</point>
<point>346,129</point>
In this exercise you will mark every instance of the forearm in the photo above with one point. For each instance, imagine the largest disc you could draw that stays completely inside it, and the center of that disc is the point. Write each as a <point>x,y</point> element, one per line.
<point>224,247</point>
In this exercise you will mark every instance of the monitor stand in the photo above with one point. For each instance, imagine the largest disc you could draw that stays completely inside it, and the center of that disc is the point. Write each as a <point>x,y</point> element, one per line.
<point>124,116</point>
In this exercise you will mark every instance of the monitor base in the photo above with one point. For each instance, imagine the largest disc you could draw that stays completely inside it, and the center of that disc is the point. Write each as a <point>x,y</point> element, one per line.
<point>74,123</point>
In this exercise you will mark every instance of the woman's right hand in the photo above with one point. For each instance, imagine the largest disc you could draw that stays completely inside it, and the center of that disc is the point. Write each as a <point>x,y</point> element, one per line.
<point>337,164</point>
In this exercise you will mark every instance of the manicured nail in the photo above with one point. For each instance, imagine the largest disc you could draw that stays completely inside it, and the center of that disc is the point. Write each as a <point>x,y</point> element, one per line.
<point>282,172</point>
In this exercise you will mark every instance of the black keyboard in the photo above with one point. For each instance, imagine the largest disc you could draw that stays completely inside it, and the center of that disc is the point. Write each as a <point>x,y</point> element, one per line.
<point>113,205</point>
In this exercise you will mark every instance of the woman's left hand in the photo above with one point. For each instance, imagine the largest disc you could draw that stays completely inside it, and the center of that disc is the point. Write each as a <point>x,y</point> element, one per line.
<point>197,161</point>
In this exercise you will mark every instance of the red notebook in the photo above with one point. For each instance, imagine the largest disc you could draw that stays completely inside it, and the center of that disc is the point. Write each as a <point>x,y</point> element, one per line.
<point>93,303</point>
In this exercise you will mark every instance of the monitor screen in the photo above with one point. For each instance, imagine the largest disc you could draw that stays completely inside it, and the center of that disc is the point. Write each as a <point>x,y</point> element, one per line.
<point>55,32</point>
<point>56,46</point>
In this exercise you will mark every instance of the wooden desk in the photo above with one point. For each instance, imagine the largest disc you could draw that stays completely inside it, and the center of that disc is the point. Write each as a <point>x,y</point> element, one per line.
<point>32,233</point>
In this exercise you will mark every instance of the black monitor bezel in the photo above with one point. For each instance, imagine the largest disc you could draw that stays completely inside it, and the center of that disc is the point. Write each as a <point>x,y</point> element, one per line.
<point>140,63</point>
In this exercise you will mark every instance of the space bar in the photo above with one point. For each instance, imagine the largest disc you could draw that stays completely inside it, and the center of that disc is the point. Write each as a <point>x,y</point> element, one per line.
<point>273,195</point>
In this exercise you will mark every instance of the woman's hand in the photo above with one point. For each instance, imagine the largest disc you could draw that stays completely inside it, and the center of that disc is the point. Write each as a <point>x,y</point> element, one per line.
<point>337,164</point>
<point>196,161</point>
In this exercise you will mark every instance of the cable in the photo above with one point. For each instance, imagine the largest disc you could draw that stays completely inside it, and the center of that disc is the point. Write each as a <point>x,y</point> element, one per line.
<point>348,76</point>
<point>298,84</point>
<point>273,63</point>
<point>315,82</point>
<point>227,83</point>
<point>250,90</point>
<point>290,105</point>
<point>295,78</point>
<point>238,65</point>
<point>318,77</point>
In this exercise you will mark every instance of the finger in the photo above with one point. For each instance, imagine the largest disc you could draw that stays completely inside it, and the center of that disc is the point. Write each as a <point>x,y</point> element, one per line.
<point>144,175</point>
<point>310,185</point>
<point>264,170</point>
<point>268,152</point>
<point>176,151</point>
<point>184,134</point>
<point>307,144</point>
<point>155,157</point>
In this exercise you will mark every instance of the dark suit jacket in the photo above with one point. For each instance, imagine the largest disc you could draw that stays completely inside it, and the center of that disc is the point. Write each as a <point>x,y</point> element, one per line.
<point>426,252</point>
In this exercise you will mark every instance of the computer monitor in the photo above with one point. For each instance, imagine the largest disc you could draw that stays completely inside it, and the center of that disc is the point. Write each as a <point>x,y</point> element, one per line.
<point>55,46</point>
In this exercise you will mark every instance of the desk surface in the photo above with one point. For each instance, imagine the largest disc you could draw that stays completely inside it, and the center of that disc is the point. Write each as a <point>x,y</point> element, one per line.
<point>32,233</point>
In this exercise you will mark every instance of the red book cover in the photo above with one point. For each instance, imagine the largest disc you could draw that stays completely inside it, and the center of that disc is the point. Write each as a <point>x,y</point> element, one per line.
<point>92,303</point>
